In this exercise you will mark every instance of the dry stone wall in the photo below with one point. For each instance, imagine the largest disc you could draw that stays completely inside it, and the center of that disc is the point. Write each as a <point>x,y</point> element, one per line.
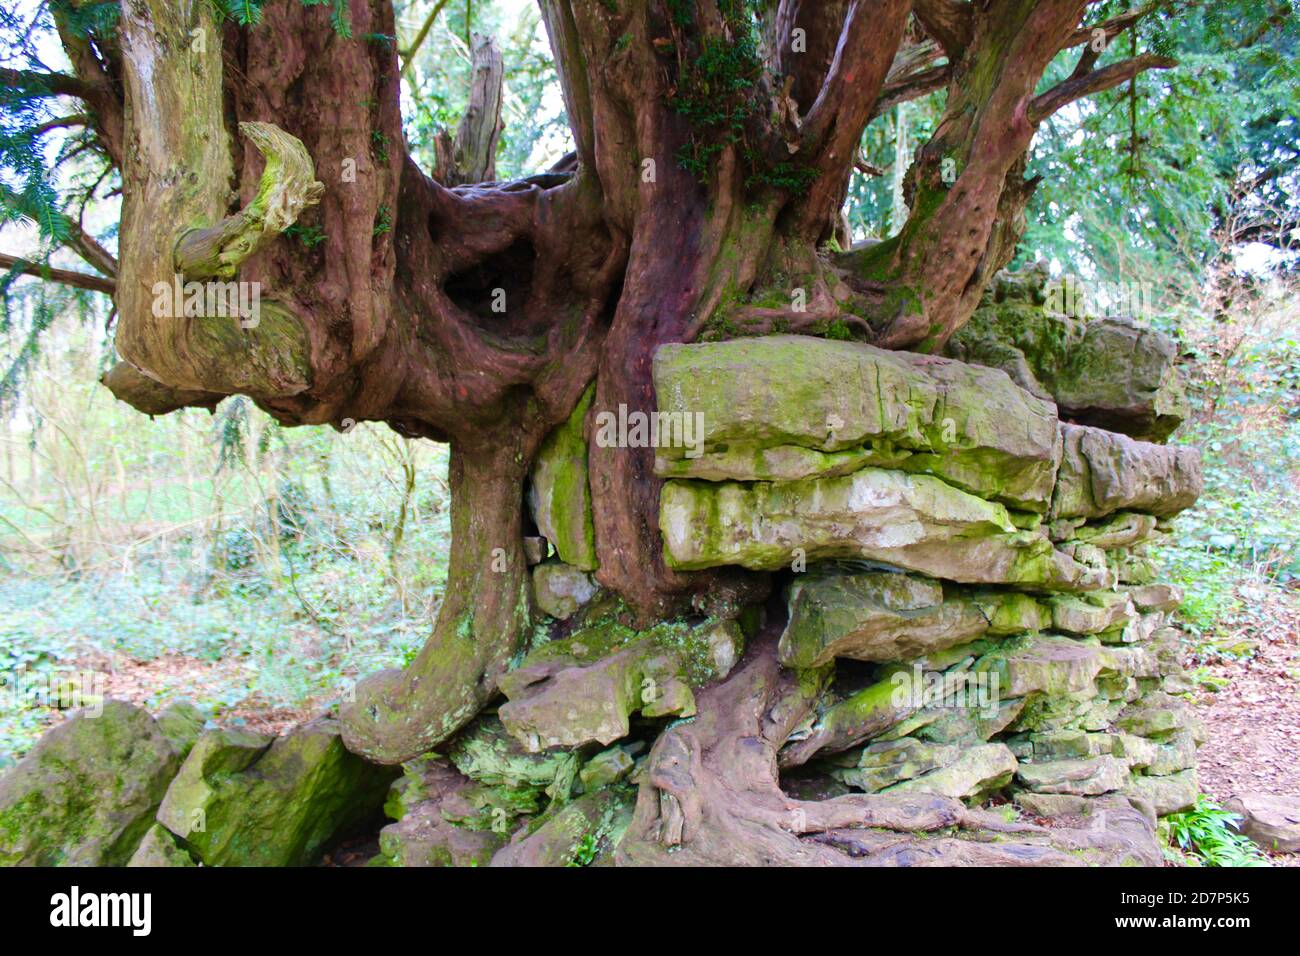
<point>972,564</point>
<point>941,523</point>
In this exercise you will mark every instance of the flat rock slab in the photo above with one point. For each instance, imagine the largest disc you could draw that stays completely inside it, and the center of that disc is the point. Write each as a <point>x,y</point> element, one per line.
<point>1110,372</point>
<point>1103,472</point>
<point>1271,821</point>
<point>914,522</point>
<point>874,616</point>
<point>789,406</point>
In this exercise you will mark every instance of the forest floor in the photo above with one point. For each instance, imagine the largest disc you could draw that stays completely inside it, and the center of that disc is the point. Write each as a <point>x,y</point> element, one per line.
<point>1249,700</point>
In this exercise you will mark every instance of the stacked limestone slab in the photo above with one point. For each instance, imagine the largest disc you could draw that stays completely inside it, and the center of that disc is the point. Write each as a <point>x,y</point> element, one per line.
<point>988,560</point>
<point>983,559</point>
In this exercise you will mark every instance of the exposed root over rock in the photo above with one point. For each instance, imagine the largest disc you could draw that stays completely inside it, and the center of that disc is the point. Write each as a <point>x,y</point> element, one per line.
<point>711,795</point>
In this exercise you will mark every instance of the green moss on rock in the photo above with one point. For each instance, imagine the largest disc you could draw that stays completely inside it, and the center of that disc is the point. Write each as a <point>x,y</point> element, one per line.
<point>252,800</point>
<point>86,793</point>
<point>559,494</point>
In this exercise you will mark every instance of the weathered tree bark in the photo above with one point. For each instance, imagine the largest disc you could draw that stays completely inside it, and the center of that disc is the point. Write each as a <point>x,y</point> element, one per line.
<point>470,157</point>
<point>482,621</point>
<point>475,312</point>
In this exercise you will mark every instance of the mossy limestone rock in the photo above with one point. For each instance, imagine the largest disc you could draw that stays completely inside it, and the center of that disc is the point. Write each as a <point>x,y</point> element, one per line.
<point>252,800</point>
<point>1171,793</point>
<point>87,792</point>
<point>788,406</point>
<point>884,616</point>
<point>561,589</point>
<point>882,764</point>
<point>914,522</point>
<point>1085,777</point>
<point>1102,472</point>
<point>976,773</point>
<point>1110,372</point>
<point>161,848</point>
<point>423,835</point>
<point>181,723</point>
<point>583,688</point>
<point>558,493</point>
<point>1043,664</point>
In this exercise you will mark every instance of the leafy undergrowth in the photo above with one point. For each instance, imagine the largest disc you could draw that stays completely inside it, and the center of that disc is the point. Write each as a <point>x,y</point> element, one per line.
<point>1236,555</point>
<point>1207,835</point>
<point>247,656</point>
<point>259,589</point>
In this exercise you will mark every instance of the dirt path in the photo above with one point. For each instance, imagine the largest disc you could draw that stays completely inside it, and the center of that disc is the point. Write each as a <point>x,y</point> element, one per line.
<point>1253,723</point>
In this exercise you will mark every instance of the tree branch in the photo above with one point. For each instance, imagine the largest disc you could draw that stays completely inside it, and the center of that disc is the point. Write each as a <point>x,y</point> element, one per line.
<point>78,280</point>
<point>950,22</point>
<point>288,186</point>
<point>425,27</point>
<point>1111,28</point>
<point>869,41</point>
<point>46,84</point>
<point>911,88</point>
<point>1095,81</point>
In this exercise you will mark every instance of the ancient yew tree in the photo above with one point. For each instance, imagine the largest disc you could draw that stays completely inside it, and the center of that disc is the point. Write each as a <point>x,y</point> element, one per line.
<point>715,140</point>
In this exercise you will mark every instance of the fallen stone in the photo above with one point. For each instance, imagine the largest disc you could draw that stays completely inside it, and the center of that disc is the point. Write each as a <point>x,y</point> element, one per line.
<point>561,589</point>
<point>86,794</point>
<point>252,800</point>
<point>1271,821</point>
<point>861,716</point>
